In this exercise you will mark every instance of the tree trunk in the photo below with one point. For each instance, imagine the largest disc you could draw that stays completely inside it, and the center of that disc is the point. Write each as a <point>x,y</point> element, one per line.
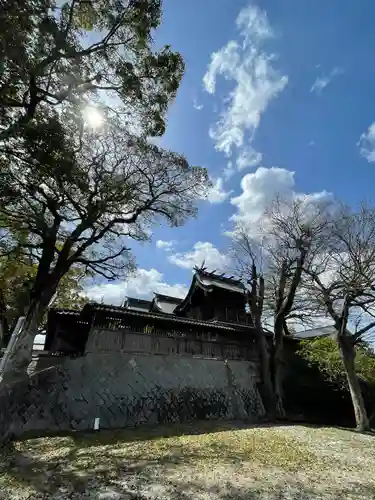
<point>18,354</point>
<point>3,333</point>
<point>278,368</point>
<point>348,354</point>
<point>278,387</point>
<point>3,320</point>
<point>265,373</point>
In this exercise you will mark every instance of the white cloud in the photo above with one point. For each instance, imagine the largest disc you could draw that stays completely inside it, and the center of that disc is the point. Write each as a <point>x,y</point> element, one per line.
<point>165,245</point>
<point>248,158</point>
<point>256,83</point>
<point>254,25</point>
<point>216,193</point>
<point>197,106</point>
<point>142,284</point>
<point>202,251</point>
<point>322,82</point>
<point>261,188</point>
<point>224,62</point>
<point>366,144</point>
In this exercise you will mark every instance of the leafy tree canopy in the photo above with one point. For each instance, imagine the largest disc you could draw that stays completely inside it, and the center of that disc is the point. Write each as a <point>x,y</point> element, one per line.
<point>63,55</point>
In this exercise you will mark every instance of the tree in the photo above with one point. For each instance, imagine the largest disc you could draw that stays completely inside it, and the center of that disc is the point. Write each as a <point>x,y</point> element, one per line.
<point>82,207</point>
<point>58,56</point>
<point>341,282</point>
<point>70,293</point>
<point>16,281</point>
<point>284,244</point>
<point>324,353</point>
<point>92,191</point>
<point>296,230</point>
<point>248,268</point>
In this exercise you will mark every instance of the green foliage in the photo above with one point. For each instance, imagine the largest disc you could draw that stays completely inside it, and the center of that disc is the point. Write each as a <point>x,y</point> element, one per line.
<point>324,353</point>
<point>58,56</point>
<point>70,290</point>
<point>17,279</point>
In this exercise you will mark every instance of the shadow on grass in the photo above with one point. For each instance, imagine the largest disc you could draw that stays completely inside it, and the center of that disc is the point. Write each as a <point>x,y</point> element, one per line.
<point>50,464</point>
<point>146,431</point>
<point>61,465</point>
<point>140,482</point>
<point>365,433</point>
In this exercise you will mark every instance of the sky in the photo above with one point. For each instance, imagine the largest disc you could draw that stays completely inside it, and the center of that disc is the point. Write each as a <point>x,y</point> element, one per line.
<point>277,98</point>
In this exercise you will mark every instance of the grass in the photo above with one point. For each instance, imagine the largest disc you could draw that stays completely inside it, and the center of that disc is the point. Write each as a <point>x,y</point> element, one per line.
<point>201,461</point>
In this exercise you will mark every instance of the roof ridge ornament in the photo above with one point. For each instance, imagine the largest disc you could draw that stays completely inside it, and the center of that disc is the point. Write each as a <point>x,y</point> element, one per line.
<point>202,268</point>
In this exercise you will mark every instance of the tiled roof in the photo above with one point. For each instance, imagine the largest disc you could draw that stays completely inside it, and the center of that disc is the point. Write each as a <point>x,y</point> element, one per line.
<point>165,303</point>
<point>168,298</point>
<point>120,311</point>
<point>322,331</point>
<point>140,305</point>
<point>65,312</point>
<point>210,281</point>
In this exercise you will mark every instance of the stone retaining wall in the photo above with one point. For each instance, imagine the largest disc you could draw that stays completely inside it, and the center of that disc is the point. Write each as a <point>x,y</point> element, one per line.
<point>123,389</point>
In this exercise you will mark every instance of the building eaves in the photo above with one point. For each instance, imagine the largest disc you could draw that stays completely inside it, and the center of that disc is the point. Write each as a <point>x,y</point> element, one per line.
<point>65,312</point>
<point>214,280</point>
<point>164,303</point>
<point>121,312</point>
<point>167,298</point>
<point>134,304</point>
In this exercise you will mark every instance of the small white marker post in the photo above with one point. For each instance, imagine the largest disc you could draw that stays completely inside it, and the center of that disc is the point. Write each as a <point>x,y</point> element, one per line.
<point>96,424</point>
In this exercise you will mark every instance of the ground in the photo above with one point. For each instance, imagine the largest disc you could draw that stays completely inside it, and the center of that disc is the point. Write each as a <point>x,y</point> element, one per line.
<point>199,462</point>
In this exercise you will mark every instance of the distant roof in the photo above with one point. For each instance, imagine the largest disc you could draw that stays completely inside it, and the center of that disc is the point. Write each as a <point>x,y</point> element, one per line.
<point>140,305</point>
<point>322,331</point>
<point>165,303</point>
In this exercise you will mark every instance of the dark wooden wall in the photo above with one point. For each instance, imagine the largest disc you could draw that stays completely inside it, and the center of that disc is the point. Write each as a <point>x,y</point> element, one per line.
<point>154,341</point>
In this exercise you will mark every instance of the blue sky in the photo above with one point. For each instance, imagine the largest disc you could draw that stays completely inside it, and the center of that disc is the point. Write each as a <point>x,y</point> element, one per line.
<point>278,97</point>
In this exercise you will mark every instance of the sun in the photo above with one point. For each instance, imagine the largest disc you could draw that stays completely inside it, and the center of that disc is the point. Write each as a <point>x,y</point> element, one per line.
<point>93,117</point>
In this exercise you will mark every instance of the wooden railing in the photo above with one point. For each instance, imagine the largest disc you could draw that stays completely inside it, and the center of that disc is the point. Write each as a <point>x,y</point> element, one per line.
<point>123,324</point>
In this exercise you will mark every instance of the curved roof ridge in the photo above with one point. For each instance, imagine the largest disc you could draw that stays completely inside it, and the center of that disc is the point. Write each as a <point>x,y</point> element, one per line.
<point>168,297</point>
<point>220,277</point>
<point>165,303</point>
